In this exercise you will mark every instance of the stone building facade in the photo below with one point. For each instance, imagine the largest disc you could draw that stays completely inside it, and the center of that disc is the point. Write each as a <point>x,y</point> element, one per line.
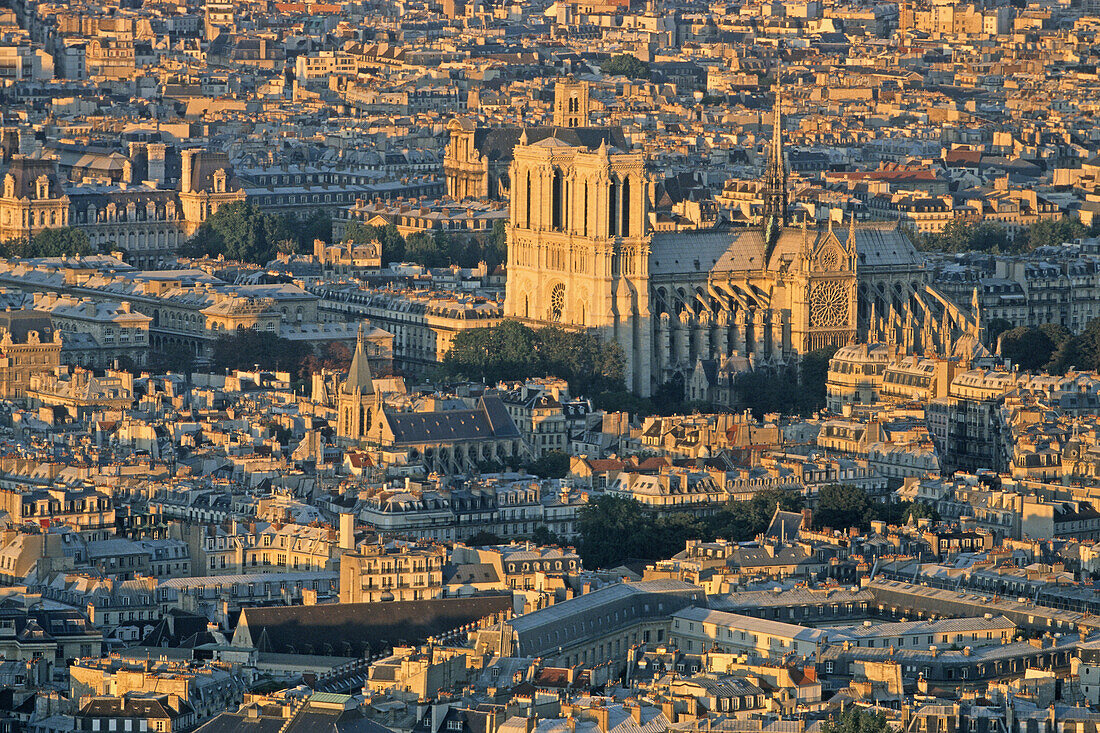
<point>584,252</point>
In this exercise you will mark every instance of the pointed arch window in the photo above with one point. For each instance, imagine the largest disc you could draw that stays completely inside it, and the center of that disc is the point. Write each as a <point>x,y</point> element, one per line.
<point>626,207</point>
<point>556,201</point>
<point>527,202</point>
<point>612,208</point>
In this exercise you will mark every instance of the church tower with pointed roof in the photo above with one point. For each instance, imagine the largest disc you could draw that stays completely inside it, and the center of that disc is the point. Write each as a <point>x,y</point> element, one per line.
<point>357,396</point>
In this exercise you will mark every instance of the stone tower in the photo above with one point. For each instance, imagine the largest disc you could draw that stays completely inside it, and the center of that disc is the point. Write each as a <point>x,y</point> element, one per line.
<point>357,396</point>
<point>578,243</point>
<point>571,106</point>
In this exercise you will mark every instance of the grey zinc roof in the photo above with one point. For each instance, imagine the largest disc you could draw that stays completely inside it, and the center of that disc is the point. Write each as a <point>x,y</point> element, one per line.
<point>560,612</point>
<point>881,245</point>
<point>878,245</point>
<point>489,420</point>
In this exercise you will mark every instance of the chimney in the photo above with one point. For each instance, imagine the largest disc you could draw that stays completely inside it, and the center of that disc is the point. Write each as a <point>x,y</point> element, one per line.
<point>601,714</point>
<point>185,172</point>
<point>347,531</point>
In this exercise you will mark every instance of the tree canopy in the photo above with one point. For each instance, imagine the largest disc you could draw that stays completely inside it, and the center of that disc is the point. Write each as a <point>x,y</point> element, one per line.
<point>57,242</point>
<point>512,350</point>
<point>1027,346</point>
<point>615,529</point>
<point>248,347</point>
<point>627,65</point>
<point>435,248</point>
<point>240,231</point>
<point>552,464</point>
<point>840,506</point>
<point>393,244</point>
<point>787,390</point>
<point>857,720</point>
<point>963,236</point>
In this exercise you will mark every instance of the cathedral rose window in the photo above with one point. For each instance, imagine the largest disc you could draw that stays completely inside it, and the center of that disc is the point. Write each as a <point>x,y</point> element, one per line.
<point>557,302</point>
<point>828,305</point>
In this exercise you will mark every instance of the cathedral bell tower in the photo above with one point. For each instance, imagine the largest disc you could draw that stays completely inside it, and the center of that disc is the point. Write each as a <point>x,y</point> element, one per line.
<point>578,242</point>
<point>571,105</point>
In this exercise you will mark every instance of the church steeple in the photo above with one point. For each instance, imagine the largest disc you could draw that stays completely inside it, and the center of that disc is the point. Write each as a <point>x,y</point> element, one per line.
<point>360,380</point>
<point>775,174</point>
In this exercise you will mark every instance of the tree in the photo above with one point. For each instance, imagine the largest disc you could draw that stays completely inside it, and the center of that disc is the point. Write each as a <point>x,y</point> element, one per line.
<point>57,242</point>
<point>787,390</point>
<point>1081,351</point>
<point>496,249</point>
<point>1028,347</point>
<point>611,530</point>
<point>1056,332</point>
<point>172,358</point>
<point>963,236</point>
<point>920,510</point>
<point>426,249</point>
<point>484,538</point>
<point>552,464</point>
<point>840,506</point>
<point>333,355</point>
<point>815,371</point>
<point>857,720</point>
<point>621,400</point>
<point>393,244</point>
<point>1052,232</point>
<point>741,521</point>
<point>543,536</point>
<point>512,351</point>
<point>241,231</point>
<point>625,65</point>
<point>248,347</point>
<point>995,328</point>
<point>315,225</point>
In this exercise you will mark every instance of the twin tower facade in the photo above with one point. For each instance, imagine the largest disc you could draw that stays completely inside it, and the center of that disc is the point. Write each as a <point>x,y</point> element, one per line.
<point>586,250</point>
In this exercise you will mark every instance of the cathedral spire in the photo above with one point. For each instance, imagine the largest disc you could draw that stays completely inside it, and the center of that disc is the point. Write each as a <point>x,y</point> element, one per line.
<point>775,174</point>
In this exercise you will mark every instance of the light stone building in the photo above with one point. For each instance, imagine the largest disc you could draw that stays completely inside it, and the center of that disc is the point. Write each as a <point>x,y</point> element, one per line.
<point>584,253</point>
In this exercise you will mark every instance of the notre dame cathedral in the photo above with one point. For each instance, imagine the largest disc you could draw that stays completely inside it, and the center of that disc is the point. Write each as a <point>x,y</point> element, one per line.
<point>586,250</point>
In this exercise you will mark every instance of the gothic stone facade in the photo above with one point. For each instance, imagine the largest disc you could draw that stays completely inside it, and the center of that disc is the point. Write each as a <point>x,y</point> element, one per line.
<point>583,254</point>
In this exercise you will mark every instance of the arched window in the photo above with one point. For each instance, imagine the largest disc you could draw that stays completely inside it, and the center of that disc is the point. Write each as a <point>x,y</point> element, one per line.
<point>556,201</point>
<point>612,209</point>
<point>527,204</point>
<point>586,208</point>
<point>626,208</point>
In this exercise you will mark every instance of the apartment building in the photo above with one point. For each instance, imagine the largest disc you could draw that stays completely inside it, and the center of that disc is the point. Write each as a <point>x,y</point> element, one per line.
<point>399,571</point>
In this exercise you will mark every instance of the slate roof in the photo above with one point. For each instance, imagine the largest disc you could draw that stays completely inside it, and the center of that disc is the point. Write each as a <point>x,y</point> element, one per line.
<point>673,253</point>
<point>26,171</point>
<point>488,421</point>
<point>315,715</point>
<point>21,322</point>
<point>347,628</point>
<point>471,573</point>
